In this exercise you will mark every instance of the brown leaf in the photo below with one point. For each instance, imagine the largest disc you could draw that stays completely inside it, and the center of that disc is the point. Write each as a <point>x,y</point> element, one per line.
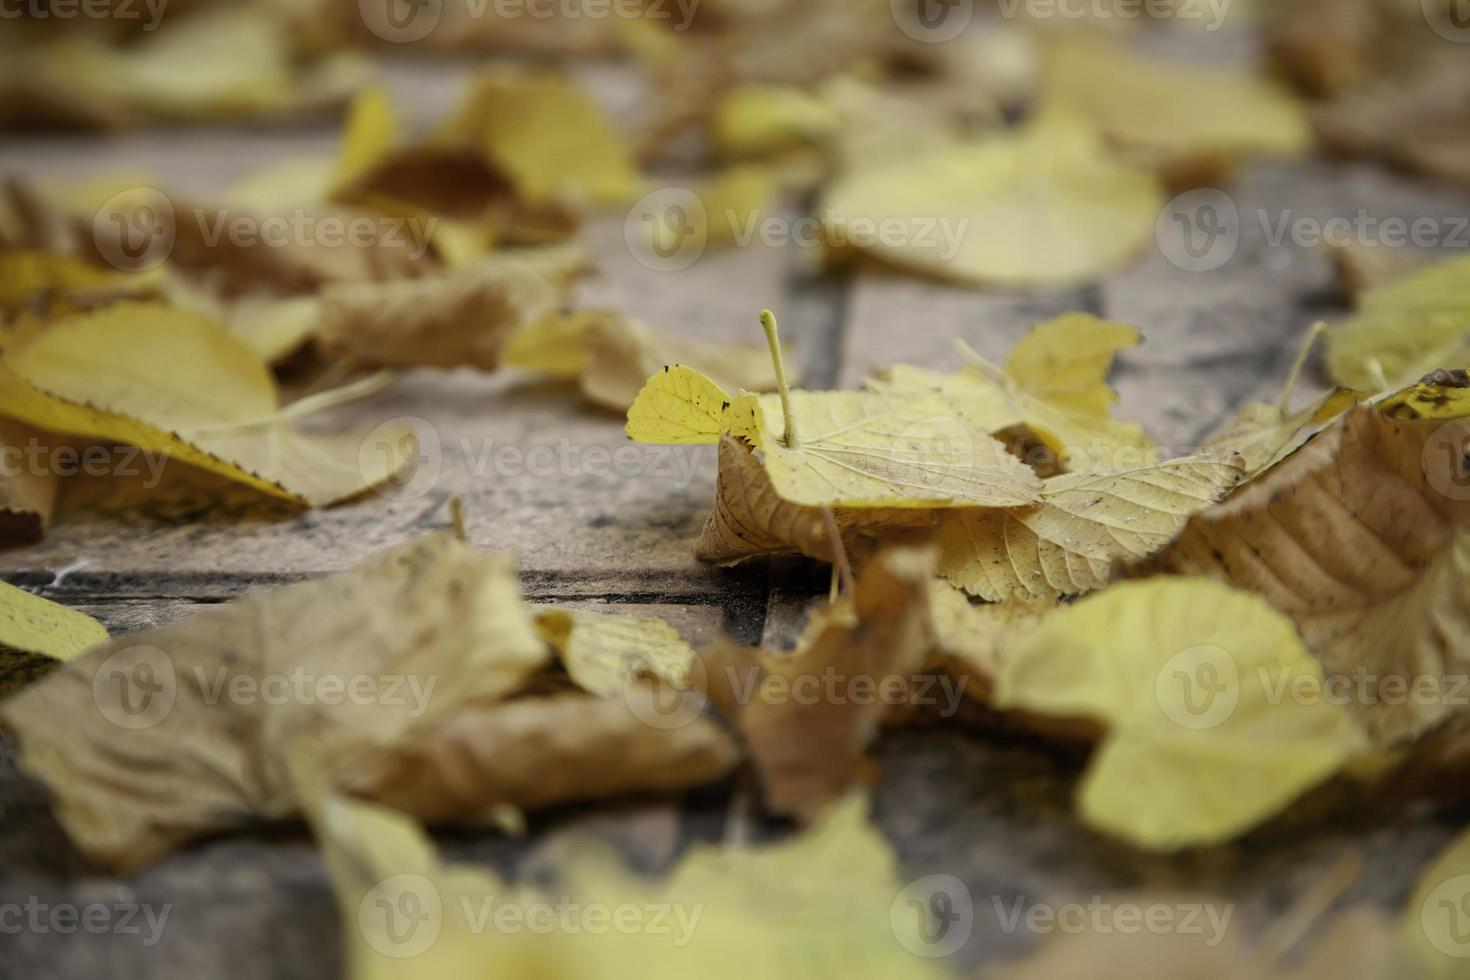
<point>809,716</point>
<point>27,492</point>
<point>1360,537</point>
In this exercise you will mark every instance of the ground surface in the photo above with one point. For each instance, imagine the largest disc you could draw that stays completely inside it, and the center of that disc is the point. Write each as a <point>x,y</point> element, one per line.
<point>992,812</point>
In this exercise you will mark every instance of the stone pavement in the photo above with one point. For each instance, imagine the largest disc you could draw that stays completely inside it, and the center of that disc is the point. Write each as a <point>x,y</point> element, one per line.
<point>992,811</point>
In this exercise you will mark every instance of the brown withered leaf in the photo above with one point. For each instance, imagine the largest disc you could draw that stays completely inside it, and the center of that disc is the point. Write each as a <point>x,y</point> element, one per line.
<point>1360,537</point>
<point>162,736</point>
<point>537,752</point>
<point>750,519</point>
<point>27,492</point>
<point>462,318</point>
<point>809,716</point>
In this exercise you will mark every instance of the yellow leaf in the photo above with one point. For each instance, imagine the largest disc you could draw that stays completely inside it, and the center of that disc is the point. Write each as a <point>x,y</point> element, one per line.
<point>30,624</point>
<point>613,355</point>
<point>173,382</point>
<point>678,406</point>
<point>546,135</point>
<point>1263,435</point>
<point>1196,683</point>
<point>1045,206</point>
<point>1405,329</point>
<point>368,140</point>
<point>1177,117</point>
<point>28,277</point>
<point>604,652</point>
<point>818,904</point>
<point>757,120</point>
<point>1361,538</point>
<point>1086,522</point>
<point>1054,385</point>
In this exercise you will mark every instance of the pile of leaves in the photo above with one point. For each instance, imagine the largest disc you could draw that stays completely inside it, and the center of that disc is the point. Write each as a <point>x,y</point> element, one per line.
<point>1186,619</point>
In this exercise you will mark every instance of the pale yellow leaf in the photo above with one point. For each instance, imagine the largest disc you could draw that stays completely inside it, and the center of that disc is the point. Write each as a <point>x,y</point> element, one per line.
<point>1197,684</point>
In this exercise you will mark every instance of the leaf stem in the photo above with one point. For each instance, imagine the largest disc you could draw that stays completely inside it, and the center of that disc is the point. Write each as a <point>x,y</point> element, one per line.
<point>773,338</point>
<point>1318,329</point>
<point>841,566</point>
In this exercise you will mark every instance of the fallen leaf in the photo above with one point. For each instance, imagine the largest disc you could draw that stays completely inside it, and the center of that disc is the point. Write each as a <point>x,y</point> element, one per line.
<point>462,318</point>
<point>818,901</point>
<point>1404,330</point>
<point>809,716</point>
<point>857,449</point>
<point>36,635</point>
<point>751,519</point>
<point>1181,119</point>
<point>1054,385</point>
<point>1047,205</point>
<point>613,355</point>
<point>602,652</point>
<point>115,374</point>
<point>1181,671</point>
<point>1360,538</point>
<point>27,491</point>
<point>1263,435</point>
<point>1068,543</point>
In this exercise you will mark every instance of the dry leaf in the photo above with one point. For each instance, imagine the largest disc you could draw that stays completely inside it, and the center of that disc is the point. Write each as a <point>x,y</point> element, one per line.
<point>1263,435</point>
<point>1360,538</point>
<point>809,716</point>
<point>1182,671</point>
<point>1045,206</point>
<point>1181,119</point>
<point>613,356</point>
<point>1085,522</point>
<point>972,641</point>
<point>602,652</point>
<point>820,901</point>
<point>116,374</point>
<point>227,61</point>
<point>750,519</point>
<point>36,635</point>
<point>462,318</point>
<point>856,449</point>
<point>27,491</point>
<point>1404,330</point>
<point>1054,385</point>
